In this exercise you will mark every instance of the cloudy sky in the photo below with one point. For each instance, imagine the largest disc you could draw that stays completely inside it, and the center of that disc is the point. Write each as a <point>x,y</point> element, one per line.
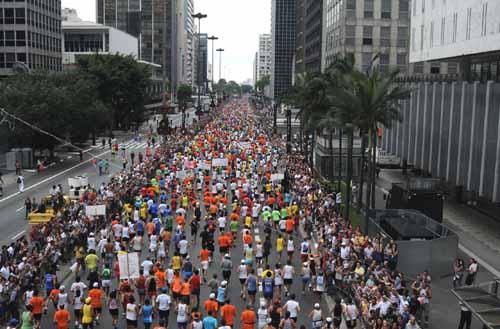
<point>237,23</point>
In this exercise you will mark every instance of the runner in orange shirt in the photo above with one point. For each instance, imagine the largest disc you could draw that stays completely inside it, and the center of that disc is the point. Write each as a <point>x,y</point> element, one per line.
<point>61,318</point>
<point>211,304</point>
<point>248,318</point>
<point>228,313</point>
<point>95,295</point>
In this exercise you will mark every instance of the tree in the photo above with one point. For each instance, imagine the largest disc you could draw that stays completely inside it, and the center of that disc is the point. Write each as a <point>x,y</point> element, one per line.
<point>122,83</point>
<point>262,83</point>
<point>246,89</point>
<point>60,104</point>
<point>184,93</point>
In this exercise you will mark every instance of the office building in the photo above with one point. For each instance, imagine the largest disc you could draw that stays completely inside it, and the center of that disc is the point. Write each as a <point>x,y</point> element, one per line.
<point>255,67</point>
<point>152,22</point>
<point>299,67</point>
<point>313,35</point>
<point>282,46</point>
<point>456,37</point>
<point>264,56</point>
<point>364,28</point>
<point>86,38</point>
<point>200,52</point>
<point>30,37</point>
<point>185,32</point>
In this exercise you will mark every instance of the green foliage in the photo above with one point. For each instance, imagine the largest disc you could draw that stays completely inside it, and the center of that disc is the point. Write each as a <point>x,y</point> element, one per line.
<point>122,83</point>
<point>262,83</point>
<point>64,104</point>
<point>184,93</point>
<point>246,89</point>
<point>232,88</point>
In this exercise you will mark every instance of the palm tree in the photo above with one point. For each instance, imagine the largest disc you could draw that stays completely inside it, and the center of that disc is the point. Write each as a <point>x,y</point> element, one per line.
<point>377,99</point>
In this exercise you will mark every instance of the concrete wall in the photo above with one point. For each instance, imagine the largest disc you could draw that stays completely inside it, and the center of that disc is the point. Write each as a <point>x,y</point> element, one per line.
<point>452,131</point>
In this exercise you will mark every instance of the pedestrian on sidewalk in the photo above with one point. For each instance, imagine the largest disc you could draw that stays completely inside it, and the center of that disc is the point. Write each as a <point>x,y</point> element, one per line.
<point>18,167</point>
<point>465,317</point>
<point>471,272</point>
<point>28,205</point>
<point>458,269</point>
<point>20,183</point>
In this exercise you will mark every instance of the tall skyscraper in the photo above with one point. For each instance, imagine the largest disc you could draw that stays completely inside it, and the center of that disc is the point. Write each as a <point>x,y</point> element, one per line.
<point>30,37</point>
<point>300,12</point>
<point>202,61</point>
<point>313,35</point>
<point>152,22</point>
<point>263,59</point>
<point>364,28</point>
<point>282,46</point>
<point>185,31</point>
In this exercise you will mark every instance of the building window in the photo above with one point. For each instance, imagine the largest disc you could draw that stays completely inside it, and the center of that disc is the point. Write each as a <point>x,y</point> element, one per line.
<point>385,36</point>
<point>403,8</point>
<point>431,35</point>
<point>435,68</point>
<point>422,37</point>
<point>402,37</point>
<point>366,59</point>
<point>443,29</point>
<point>367,35</point>
<point>351,8</point>
<point>455,22</point>
<point>418,68</point>
<point>401,59</point>
<point>350,35</point>
<point>484,17</point>
<point>386,9</point>
<point>384,61</point>
<point>368,12</point>
<point>468,24</point>
<point>20,16</point>
<point>414,10</point>
<point>423,6</point>
<point>413,42</point>
<point>9,16</point>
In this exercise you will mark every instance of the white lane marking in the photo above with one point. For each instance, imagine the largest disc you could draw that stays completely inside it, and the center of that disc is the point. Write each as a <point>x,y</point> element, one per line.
<point>15,237</point>
<point>19,209</point>
<point>481,262</point>
<point>50,178</point>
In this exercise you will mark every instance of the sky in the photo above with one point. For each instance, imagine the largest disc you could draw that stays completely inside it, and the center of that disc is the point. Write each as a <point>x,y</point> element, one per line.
<point>237,24</point>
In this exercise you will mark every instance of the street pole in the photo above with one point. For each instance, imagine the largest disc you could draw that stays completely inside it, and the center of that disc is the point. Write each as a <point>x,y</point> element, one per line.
<point>213,38</point>
<point>199,16</point>
<point>183,118</point>
<point>275,118</point>
<point>220,50</point>
<point>288,131</point>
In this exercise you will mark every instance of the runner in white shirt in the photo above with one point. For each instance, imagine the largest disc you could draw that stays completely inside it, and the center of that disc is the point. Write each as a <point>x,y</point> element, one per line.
<point>288,272</point>
<point>293,307</point>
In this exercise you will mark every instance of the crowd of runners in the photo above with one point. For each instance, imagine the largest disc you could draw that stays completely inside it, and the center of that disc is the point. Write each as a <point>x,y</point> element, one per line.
<point>203,211</point>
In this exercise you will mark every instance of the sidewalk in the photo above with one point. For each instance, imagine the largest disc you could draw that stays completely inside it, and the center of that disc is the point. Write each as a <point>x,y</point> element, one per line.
<point>479,237</point>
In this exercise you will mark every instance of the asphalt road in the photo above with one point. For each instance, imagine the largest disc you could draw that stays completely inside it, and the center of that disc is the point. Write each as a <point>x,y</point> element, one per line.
<point>12,211</point>
<point>234,289</point>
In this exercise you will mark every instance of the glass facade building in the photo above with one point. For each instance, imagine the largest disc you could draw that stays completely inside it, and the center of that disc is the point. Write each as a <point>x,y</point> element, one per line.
<point>282,46</point>
<point>30,35</point>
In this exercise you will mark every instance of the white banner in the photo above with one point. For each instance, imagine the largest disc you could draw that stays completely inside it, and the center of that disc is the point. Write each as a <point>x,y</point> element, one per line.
<point>245,145</point>
<point>181,174</point>
<point>219,162</point>
<point>277,177</point>
<point>204,166</point>
<point>99,210</point>
<point>129,265</point>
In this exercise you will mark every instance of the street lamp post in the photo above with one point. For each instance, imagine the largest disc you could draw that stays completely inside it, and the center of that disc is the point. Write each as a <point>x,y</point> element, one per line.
<point>213,38</point>
<point>220,50</point>
<point>199,16</point>
<point>288,131</point>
